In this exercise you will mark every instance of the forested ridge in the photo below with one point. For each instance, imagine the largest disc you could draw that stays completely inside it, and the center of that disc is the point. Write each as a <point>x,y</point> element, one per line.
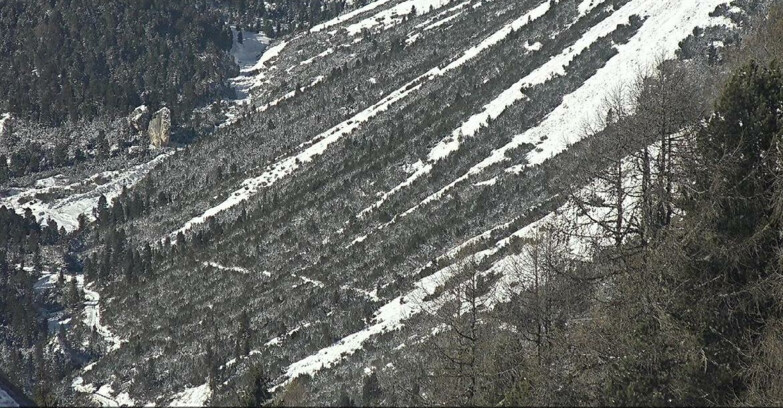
<point>79,59</point>
<point>417,259</point>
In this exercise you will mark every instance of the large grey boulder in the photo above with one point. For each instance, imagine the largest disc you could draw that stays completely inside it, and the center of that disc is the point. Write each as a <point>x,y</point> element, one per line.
<point>159,128</point>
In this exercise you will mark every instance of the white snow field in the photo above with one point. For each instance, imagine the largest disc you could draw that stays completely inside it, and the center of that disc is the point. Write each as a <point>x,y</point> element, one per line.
<point>248,53</point>
<point>227,268</point>
<point>78,198</point>
<point>317,145</point>
<point>3,118</point>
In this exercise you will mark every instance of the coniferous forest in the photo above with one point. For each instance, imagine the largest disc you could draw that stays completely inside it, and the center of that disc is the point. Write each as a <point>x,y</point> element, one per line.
<point>391,203</point>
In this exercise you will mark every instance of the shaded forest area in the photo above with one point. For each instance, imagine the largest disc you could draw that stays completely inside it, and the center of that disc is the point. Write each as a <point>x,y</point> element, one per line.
<point>80,59</point>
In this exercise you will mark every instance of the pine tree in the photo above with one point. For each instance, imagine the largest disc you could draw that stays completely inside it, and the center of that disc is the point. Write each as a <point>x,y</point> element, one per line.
<point>73,294</point>
<point>732,252</point>
<point>371,390</point>
<point>242,345</point>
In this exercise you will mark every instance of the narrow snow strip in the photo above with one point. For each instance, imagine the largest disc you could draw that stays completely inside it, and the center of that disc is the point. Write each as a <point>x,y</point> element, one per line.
<point>226,268</point>
<point>3,118</point>
<point>92,315</point>
<point>313,282</point>
<point>347,16</point>
<point>393,15</point>
<point>317,80</point>
<point>318,145</point>
<point>442,22</point>
<point>321,55</point>
<point>268,55</point>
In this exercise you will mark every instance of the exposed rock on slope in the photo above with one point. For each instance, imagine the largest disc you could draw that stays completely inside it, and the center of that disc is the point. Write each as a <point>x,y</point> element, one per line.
<point>160,128</point>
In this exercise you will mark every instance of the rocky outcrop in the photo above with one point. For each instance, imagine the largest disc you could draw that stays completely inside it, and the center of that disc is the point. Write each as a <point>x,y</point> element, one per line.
<point>139,118</point>
<point>159,128</point>
<point>5,124</point>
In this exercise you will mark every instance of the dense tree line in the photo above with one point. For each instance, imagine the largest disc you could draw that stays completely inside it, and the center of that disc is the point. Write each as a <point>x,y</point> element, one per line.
<point>75,59</point>
<point>279,17</point>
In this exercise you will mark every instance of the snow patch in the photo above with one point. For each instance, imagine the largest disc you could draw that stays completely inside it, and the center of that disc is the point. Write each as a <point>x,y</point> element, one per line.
<point>227,268</point>
<point>66,211</point>
<point>192,397</point>
<point>5,399</point>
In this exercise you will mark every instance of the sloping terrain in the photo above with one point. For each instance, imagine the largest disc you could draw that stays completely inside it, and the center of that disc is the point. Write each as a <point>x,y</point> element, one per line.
<point>366,164</point>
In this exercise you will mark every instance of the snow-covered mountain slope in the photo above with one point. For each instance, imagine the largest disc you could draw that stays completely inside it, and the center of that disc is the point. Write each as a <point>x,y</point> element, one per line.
<point>369,161</point>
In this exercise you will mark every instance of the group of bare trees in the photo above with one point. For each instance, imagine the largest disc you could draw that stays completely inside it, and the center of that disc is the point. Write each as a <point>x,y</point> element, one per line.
<point>655,283</point>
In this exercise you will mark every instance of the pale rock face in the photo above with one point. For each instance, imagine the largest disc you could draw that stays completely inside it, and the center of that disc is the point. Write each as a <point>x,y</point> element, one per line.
<point>159,128</point>
<point>139,118</point>
<point>5,124</point>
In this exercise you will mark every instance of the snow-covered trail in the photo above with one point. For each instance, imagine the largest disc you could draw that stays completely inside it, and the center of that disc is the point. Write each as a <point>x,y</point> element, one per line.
<point>668,22</point>
<point>66,211</point>
<point>319,144</point>
<point>92,316</point>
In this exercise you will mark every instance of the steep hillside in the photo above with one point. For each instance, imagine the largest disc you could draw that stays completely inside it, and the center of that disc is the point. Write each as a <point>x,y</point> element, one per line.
<point>372,172</point>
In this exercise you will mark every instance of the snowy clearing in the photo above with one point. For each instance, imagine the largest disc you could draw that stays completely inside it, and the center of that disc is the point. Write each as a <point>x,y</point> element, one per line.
<point>66,211</point>
<point>192,397</point>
